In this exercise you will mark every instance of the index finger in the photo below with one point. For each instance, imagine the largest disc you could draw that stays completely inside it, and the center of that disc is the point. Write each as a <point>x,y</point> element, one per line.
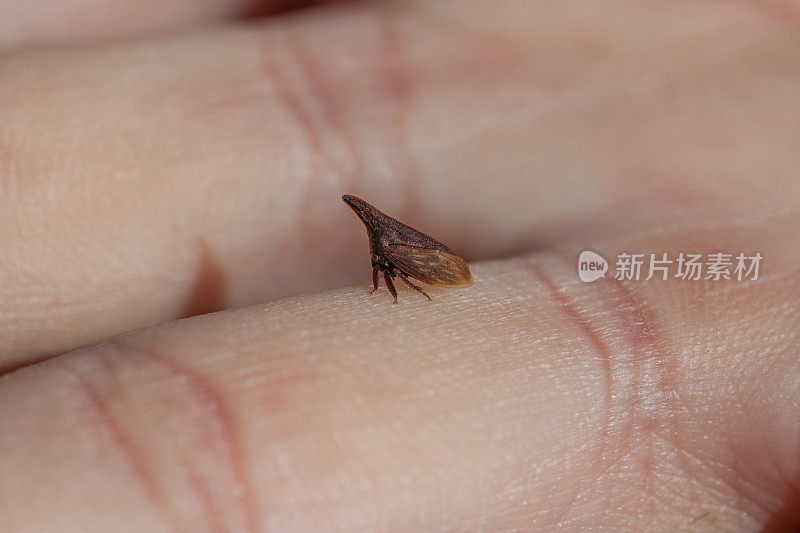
<point>528,401</point>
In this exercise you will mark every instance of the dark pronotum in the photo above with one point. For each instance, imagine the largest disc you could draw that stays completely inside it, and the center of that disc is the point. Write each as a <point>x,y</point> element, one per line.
<point>400,250</point>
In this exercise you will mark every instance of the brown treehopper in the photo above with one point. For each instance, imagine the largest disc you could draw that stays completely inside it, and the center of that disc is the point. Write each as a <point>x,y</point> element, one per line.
<point>400,250</point>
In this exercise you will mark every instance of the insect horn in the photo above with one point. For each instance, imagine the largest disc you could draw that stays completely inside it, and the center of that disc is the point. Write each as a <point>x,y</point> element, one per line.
<point>365,211</point>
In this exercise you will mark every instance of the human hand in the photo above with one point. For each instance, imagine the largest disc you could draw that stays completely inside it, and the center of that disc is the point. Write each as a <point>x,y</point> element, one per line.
<point>143,180</point>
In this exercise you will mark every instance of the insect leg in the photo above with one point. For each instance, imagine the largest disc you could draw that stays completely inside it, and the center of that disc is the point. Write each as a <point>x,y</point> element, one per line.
<point>416,288</point>
<point>390,284</point>
<point>374,279</point>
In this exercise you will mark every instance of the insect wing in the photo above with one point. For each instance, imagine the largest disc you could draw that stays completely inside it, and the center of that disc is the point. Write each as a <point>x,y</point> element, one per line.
<point>431,266</point>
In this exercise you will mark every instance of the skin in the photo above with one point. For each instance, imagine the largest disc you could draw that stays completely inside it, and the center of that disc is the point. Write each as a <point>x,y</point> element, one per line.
<point>147,179</point>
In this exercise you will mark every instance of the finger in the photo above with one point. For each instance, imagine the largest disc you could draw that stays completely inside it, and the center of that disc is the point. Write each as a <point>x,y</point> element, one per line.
<point>526,401</point>
<point>37,22</point>
<point>168,178</point>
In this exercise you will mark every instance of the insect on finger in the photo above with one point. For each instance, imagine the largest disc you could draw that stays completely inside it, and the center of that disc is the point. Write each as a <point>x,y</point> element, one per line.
<point>398,249</point>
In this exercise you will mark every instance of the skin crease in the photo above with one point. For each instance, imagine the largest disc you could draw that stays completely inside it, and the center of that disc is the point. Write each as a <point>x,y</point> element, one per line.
<point>519,136</point>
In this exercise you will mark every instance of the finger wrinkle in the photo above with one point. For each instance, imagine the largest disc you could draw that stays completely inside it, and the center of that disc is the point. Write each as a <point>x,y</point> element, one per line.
<point>326,100</point>
<point>312,95</point>
<point>594,337</point>
<point>603,350</point>
<point>651,349</point>
<point>212,509</point>
<point>286,91</point>
<point>655,403</point>
<point>661,421</point>
<point>321,97</point>
<point>309,99</point>
<point>139,466</point>
<point>640,393</point>
<point>199,442</point>
<point>329,101</point>
<point>220,426</point>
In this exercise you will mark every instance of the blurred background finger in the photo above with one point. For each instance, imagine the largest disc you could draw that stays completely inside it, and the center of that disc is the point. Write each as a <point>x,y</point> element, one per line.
<point>144,182</point>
